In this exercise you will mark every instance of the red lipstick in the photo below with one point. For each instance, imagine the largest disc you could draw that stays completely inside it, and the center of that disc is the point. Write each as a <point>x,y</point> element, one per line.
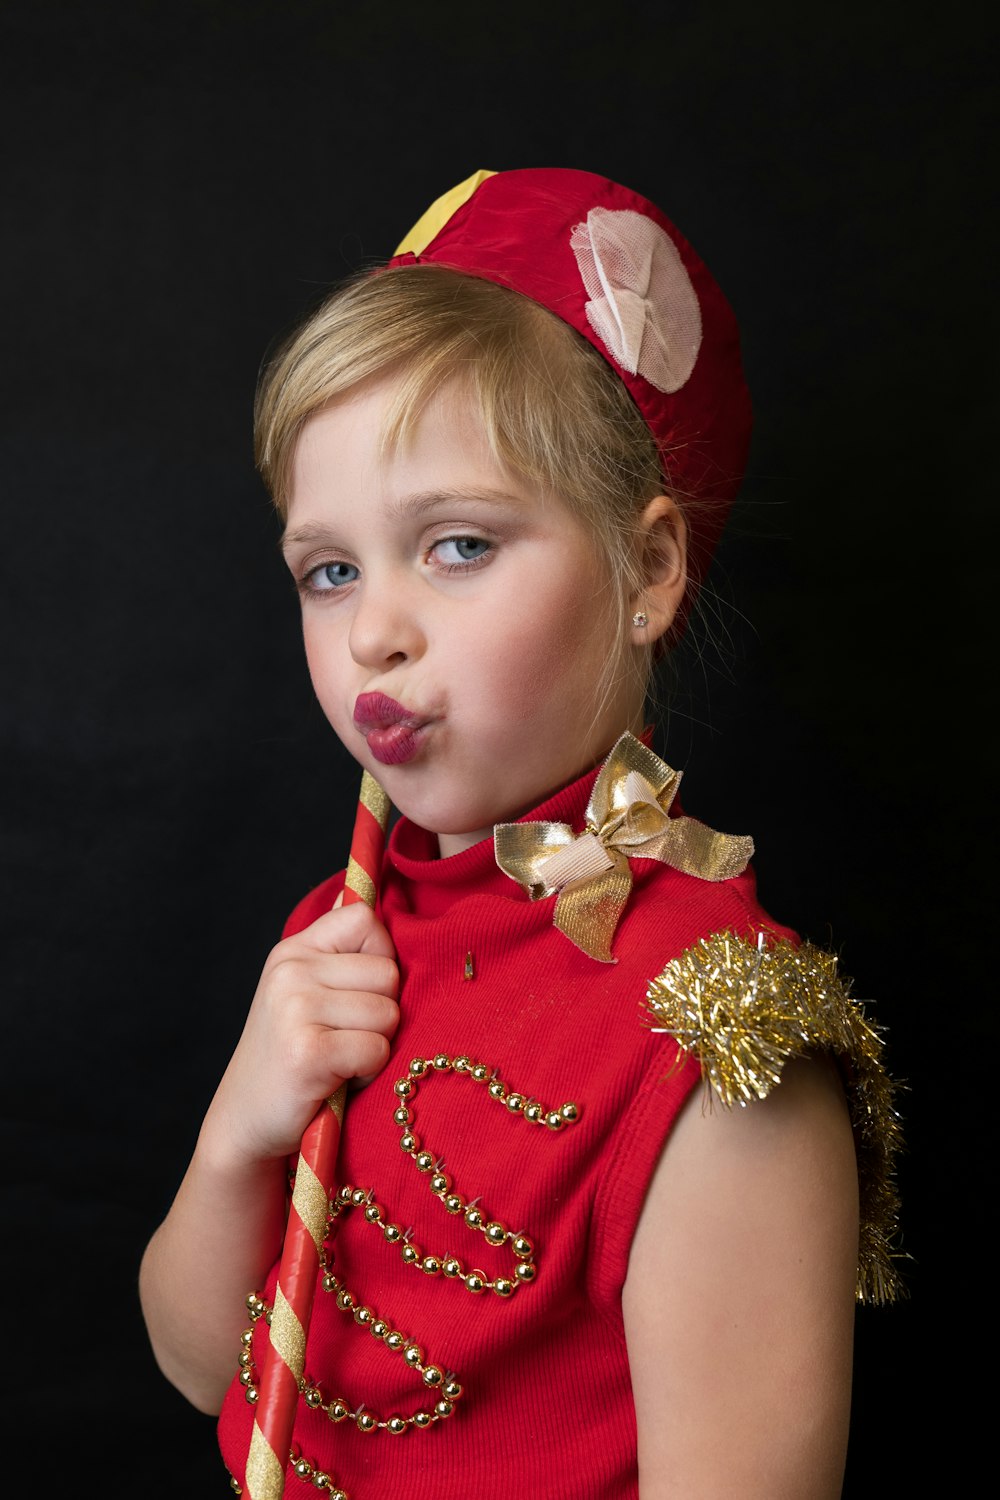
<point>393,733</point>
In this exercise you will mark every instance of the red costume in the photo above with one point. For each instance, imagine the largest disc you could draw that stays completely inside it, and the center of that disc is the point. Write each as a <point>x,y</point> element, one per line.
<point>496,1003</point>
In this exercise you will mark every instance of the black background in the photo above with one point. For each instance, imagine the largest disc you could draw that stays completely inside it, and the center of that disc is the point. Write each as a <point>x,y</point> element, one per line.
<point>182,180</point>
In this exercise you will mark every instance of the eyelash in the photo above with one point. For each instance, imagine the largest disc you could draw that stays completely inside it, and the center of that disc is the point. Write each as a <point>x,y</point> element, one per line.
<point>307,586</point>
<point>469,562</point>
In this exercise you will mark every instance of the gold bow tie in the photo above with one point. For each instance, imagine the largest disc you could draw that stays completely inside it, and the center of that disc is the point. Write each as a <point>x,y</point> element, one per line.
<point>627,816</point>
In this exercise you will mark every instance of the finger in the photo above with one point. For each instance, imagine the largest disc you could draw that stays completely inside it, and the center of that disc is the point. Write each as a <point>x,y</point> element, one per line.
<point>349,1054</point>
<point>309,973</point>
<point>348,929</point>
<point>353,1010</point>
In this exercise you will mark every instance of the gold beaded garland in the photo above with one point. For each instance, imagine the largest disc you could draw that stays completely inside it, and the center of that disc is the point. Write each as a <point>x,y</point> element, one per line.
<point>337,1409</point>
<point>493,1230</point>
<point>435,1379</point>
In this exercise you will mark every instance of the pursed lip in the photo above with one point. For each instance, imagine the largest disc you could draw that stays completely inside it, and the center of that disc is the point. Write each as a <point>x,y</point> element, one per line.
<point>379,711</point>
<point>393,733</point>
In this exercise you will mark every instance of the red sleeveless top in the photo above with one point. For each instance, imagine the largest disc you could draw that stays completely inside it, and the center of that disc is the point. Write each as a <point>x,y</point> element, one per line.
<point>522,1387</point>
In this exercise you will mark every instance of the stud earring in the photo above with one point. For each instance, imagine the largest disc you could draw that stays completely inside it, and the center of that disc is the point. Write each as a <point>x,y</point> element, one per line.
<point>640,619</point>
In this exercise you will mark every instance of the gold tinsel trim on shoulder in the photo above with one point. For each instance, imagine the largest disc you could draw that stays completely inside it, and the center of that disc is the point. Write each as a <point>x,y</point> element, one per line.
<point>742,1010</point>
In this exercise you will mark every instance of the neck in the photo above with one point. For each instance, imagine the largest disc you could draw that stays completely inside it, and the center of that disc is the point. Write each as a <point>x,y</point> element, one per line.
<point>457,843</point>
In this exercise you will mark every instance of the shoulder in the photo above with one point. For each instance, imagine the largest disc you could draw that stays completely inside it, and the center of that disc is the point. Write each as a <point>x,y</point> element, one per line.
<point>671,910</point>
<point>313,905</point>
<point>746,1009</point>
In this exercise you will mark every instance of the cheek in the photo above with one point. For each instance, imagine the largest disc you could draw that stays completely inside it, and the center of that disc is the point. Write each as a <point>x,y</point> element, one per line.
<point>325,670</point>
<point>546,656</point>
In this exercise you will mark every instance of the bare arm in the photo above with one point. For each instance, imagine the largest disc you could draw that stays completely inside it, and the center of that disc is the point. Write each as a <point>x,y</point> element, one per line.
<point>739,1298</point>
<point>322,1014</point>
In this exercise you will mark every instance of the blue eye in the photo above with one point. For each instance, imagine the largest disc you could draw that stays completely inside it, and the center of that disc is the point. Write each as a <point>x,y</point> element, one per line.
<point>329,576</point>
<point>455,550</point>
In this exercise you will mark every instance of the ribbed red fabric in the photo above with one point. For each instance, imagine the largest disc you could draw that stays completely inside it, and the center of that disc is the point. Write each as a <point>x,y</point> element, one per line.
<point>547,1405</point>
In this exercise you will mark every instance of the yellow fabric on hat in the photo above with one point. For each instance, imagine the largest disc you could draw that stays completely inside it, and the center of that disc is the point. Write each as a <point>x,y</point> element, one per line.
<point>436,217</point>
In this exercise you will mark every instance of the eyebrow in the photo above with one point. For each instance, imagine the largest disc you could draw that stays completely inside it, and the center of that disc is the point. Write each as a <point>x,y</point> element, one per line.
<point>415,505</point>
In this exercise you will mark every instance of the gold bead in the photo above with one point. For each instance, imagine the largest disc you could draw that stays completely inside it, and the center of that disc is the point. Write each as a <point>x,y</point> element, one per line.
<point>570,1113</point>
<point>320,1480</point>
<point>451,1390</point>
<point>338,1410</point>
<point>454,1203</point>
<point>392,1233</point>
<point>480,1072</point>
<point>515,1103</point>
<point>346,1194</point>
<point>462,1064</point>
<point>504,1287</point>
<point>440,1183</point>
<point>312,1397</point>
<point>330,1283</point>
<point>424,1161</point>
<point>443,1409</point>
<point>366,1421</point>
<point>402,1115</point>
<point>302,1467</point>
<point>498,1090</point>
<point>473,1218</point>
<point>526,1271</point>
<point>395,1340</point>
<point>413,1355</point>
<point>403,1087</point>
<point>476,1281</point>
<point>245,1359</point>
<point>452,1266</point>
<point>379,1328</point>
<point>442,1062</point>
<point>421,1419</point>
<point>418,1066</point>
<point>345,1300</point>
<point>533,1111</point>
<point>431,1264</point>
<point>373,1213</point>
<point>411,1254</point>
<point>554,1120</point>
<point>338,1495</point>
<point>252,1299</point>
<point>409,1142</point>
<point>396,1425</point>
<point>433,1376</point>
<point>246,1337</point>
<point>358,1197</point>
<point>495,1233</point>
<point>252,1395</point>
<point>363,1316</point>
<point>246,1377</point>
<point>522,1246</point>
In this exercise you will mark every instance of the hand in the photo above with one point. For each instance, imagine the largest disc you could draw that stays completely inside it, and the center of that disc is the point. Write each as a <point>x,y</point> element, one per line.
<point>323,1013</point>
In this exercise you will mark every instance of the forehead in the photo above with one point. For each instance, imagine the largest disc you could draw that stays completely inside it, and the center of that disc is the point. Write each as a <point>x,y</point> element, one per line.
<point>371,444</point>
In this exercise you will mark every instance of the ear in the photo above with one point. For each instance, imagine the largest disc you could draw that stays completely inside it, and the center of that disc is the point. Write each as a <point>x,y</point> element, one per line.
<point>663,542</point>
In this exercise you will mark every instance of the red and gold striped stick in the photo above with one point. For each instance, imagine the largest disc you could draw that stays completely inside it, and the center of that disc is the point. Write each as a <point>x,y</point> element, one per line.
<point>274,1413</point>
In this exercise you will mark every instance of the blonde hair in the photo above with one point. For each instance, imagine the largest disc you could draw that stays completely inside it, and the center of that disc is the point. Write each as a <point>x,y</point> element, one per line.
<point>552,409</point>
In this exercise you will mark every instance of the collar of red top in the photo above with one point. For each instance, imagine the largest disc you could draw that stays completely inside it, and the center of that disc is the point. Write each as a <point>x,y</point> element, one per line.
<point>413,852</point>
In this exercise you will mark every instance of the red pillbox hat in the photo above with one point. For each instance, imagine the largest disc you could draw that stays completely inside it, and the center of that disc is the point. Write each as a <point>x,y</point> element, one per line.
<point>612,265</point>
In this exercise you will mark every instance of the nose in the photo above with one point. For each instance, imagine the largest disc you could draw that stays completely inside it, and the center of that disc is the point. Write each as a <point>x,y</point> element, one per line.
<point>386,628</point>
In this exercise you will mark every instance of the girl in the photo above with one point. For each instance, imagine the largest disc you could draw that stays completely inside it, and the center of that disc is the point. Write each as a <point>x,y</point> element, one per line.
<point>503,462</point>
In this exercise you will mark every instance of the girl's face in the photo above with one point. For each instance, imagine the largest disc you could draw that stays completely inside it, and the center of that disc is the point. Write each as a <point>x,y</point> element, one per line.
<point>457,621</point>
